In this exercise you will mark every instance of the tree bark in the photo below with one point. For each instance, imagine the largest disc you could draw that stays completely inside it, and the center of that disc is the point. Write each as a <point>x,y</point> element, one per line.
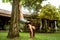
<point>14,26</point>
<point>46,26</point>
<point>40,25</point>
<point>55,26</point>
<point>52,29</point>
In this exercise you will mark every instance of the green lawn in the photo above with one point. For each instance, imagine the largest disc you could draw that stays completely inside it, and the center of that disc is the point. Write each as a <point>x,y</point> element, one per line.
<point>39,36</point>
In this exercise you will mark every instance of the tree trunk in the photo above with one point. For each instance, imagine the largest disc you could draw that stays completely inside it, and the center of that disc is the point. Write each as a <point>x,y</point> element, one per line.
<point>14,27</point>
<point>55,26</point>
<point>40,25</point>
<point>46,26</point>
<point>52,29</point>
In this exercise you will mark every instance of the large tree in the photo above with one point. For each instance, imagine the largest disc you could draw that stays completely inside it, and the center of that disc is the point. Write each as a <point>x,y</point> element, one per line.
<point>14,26</point>
<point>48,12</point>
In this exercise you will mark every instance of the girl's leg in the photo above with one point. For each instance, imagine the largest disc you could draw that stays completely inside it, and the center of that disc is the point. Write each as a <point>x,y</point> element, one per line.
<point>33,27</point>
<point>31,30</point>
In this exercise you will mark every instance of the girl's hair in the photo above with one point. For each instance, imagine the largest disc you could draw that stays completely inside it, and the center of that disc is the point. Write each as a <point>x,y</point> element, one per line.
<point>28,22</point>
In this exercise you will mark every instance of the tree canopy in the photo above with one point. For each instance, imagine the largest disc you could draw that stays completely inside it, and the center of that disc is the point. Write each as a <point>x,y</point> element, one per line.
<point>49,12</point>
<point>35,4</point>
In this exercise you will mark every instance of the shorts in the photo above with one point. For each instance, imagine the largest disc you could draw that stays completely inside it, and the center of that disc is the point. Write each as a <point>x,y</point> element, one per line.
<point>23,20</point>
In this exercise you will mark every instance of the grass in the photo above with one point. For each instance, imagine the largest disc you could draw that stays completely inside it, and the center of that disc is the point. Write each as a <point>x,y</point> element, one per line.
<point>39,36</point>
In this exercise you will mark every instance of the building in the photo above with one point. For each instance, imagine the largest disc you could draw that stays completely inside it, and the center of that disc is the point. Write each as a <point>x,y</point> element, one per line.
<point>5,17</point>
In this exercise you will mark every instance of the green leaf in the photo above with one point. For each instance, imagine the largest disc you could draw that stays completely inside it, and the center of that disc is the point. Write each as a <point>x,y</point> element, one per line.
<point>49,12</point>
<point>5,1</point>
